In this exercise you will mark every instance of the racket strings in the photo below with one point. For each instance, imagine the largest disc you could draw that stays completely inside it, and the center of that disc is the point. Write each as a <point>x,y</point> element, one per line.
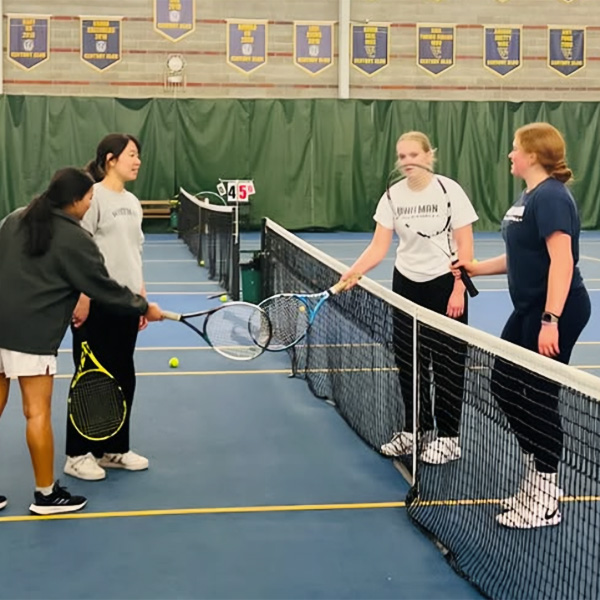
<point>96,405</point>
<point>239,331</point>
<point>289,317</point>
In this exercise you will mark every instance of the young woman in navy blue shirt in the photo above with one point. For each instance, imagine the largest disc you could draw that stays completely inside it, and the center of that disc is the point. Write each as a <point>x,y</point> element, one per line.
<point>551,308</point>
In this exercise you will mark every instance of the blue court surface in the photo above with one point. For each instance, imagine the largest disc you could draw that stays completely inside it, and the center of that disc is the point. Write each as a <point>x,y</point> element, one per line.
<point>256,489</point>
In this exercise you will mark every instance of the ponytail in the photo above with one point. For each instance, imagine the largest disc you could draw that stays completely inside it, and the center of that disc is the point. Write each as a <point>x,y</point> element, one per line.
<point>38,223</point>
<point>96,172</point>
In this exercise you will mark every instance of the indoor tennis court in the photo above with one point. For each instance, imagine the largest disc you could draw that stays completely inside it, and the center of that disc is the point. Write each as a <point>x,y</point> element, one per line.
<point>256,489</point>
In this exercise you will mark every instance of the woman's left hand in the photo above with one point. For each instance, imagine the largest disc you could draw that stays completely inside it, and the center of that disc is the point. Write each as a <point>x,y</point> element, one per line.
<point>548,340</point>
<point>456,304</point>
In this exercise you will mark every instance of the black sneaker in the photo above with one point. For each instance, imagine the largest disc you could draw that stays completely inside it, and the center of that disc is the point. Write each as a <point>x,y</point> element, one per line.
<point>3,502</point>
<point>59,501</point>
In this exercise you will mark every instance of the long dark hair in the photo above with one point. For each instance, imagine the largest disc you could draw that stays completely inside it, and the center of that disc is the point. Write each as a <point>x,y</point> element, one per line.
<point>67,186</point>
<point>114,144</point>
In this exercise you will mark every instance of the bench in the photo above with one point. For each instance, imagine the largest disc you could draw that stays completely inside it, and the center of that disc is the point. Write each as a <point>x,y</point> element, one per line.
<point>157,209</point>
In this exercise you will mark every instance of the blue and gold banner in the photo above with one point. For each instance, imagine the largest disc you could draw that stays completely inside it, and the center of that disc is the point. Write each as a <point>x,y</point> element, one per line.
<point>502,48</point>
<point>175,19</point>
<point>28,40</point>
<point>436,47</point>
<point>246,44</point>
<point>313,46</point>
<point>566,49</point>
<point>370,47</point>
<point>101,42</point>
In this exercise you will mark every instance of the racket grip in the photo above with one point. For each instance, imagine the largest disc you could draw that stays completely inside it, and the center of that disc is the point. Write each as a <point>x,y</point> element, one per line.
<point>172,316</point>
<point>471,289</point>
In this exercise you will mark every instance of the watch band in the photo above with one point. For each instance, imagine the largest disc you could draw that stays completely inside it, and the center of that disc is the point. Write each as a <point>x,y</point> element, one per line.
<point>548,317</point>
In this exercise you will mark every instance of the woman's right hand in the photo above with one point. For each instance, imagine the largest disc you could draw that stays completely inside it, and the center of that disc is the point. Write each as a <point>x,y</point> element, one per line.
<point>81,312</point>
<point>351,278</point>
<point>154,312</point>
<point>470,266</point>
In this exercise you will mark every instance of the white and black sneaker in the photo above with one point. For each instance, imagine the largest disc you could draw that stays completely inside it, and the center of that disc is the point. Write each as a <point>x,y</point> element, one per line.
<point>3,502</point>
<point>59,501</point>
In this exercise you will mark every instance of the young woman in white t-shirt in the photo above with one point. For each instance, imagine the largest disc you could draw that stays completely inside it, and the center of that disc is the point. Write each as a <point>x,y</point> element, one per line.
<point>115,221</point>
<point>422,274</point>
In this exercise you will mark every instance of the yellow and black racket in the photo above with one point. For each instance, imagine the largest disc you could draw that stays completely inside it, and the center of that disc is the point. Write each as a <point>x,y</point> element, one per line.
<point>97,407</point>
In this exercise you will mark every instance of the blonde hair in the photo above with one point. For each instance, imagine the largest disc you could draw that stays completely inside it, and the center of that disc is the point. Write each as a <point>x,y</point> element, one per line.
<point>421,139</point>
<point>548,145</point>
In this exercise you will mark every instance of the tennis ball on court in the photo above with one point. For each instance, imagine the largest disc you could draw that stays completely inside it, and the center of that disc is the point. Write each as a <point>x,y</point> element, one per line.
<point>223,298</point>
<point>174,363</point>
<point>201,263</point>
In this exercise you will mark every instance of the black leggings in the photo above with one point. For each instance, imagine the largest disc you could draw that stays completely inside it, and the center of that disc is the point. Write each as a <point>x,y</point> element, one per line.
<point>530,401</point>
<point>112,339</point>
<point>441,357</point>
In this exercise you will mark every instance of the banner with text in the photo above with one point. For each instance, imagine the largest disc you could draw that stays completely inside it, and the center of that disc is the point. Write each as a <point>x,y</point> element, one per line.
<point>101,42</point>
<point>436,47</point>
<point>313,46</point>
<point>502,49</point>
<point>246,44</point>
<point>566,49</point>
<point>28,40</point>
<point>370,47</point>
<point>175,19</point>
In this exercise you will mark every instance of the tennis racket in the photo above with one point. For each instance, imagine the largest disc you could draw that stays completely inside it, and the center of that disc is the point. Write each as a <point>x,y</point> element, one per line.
<point>236,330</point>
<point>291,315</point>
<point>433,225</point>
<point>96,405</point>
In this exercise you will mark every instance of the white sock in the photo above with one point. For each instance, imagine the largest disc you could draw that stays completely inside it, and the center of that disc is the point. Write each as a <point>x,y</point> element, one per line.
<point>46,491</point>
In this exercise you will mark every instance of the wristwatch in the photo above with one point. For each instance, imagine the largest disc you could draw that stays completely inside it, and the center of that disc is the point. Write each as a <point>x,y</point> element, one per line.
<point>548,317</point>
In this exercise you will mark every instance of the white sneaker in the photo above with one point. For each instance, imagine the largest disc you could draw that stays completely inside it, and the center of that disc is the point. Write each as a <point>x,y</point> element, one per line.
<point>527,487</point>
<point>129,461</point>
<point>442,451</point>
<point>84,467</point>
<point>539,509</point>
<point>400,444</point>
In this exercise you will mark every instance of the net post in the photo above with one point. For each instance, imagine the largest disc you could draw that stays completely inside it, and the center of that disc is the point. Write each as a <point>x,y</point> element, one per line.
<point>415,400</point>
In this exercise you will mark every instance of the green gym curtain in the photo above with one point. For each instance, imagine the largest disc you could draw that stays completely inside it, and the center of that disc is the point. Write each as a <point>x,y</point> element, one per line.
<point>315,163</point>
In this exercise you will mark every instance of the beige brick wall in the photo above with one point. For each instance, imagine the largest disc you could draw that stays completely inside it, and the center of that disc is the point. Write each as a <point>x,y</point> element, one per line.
<point>141,71</point>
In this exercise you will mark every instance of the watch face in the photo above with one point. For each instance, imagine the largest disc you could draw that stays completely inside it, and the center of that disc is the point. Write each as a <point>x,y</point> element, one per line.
<point>175,63</point>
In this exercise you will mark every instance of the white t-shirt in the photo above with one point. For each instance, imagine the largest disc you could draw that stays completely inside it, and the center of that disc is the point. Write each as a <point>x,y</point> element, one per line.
<point>115,221</point>
<point>418,258</point>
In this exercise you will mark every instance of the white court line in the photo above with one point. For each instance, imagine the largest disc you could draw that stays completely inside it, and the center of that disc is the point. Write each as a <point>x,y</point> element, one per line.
<point>589,258</point>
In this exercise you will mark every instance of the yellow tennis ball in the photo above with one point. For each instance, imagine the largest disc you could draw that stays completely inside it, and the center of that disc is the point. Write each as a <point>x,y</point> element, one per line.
<point>174,363</point>
<point>223,298</point>
<point>201,263</point>
<point>474,261</point>
<point>302,309</point>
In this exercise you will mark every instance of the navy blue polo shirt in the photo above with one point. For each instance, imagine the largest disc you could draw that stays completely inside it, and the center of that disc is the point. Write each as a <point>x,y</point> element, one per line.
<point>537,214</point>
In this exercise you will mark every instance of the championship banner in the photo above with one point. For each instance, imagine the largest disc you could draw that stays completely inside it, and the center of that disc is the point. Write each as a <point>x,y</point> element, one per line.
<point>313,46</point>
<point>101,41</point>
<point>370,47</point>
<point>566,49</point>
<point>175,19</point>
<point>246,44</point>
<point>28,40</point>
<point>436,48</point>
<point>502,48</point>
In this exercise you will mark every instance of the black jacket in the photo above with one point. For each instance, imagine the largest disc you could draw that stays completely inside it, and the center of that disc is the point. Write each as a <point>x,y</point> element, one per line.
<point>38,294</point>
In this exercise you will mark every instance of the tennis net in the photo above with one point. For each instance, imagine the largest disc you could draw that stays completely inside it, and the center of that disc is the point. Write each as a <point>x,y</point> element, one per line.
<point>370,350</point>
<point>210,233</point>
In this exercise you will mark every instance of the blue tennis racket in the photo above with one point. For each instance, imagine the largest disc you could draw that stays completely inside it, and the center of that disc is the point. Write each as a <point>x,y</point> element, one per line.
<point>292,315</point>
